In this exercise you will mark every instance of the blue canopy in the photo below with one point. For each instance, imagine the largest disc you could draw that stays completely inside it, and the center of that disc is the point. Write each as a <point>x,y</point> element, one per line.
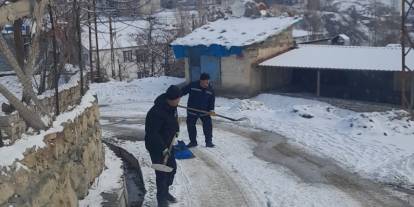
<point>182,51</point>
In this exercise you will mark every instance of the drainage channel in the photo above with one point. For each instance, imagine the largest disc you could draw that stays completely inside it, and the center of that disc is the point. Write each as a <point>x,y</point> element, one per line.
<point>134,187</point>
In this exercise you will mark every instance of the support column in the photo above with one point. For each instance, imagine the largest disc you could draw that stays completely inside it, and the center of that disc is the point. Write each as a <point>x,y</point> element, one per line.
<point>318,83</point>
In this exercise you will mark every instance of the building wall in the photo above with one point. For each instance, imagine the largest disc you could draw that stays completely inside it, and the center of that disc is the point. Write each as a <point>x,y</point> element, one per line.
<point>150,7</point>
<point>240,76</point>
<point>235,75</point>
<point>129,69</point>
<point>270,79</point>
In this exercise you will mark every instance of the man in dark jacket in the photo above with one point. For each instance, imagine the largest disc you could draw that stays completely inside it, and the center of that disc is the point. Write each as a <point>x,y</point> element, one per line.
<point>161,125</point>
<point>201,97</point>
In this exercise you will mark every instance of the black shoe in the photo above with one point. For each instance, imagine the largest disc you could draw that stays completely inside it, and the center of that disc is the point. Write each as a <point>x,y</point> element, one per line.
<point>163,203</point>
<point>210,145</point>
<point>171,198</point>
<point>192,144</point>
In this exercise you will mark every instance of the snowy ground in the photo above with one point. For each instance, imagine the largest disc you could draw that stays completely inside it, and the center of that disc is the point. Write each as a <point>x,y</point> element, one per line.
<point>378,146</point>
<point>110,180</point>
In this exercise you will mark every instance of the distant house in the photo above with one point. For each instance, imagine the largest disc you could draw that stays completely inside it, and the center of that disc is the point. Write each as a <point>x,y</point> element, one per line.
<point>131,56</point>
<point>129,8</point>
<point>188,4</point>
<point>303,36</point>
<point>350,72</point>
<point>230,49</point>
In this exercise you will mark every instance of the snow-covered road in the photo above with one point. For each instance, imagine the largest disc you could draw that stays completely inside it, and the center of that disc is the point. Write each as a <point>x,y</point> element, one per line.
<point>254,165</point>
<point>251,167</point>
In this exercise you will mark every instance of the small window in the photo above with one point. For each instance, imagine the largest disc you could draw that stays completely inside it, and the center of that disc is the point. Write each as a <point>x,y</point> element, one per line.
<point>141,55</point>
<point>128,56</point>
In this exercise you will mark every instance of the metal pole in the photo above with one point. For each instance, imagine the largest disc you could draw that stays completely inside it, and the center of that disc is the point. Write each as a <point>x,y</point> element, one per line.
<point>407,46</point>
<point>318,83</point>
<point>54,60</point>
<point>403,73</point>
<point>78,31</point>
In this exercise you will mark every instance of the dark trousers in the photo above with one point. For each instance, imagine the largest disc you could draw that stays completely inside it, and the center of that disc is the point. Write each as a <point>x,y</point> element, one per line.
<point>163,179</point>
<point>207,127</point>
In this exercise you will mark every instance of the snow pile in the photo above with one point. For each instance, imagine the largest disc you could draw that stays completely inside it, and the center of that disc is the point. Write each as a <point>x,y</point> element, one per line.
<point>138,94</point>
<point>109,180</point>
<point>15,152</point>
<point>228,32</point>
<point>138,90</point>
<point>249,105</point>
<point>385,123</point>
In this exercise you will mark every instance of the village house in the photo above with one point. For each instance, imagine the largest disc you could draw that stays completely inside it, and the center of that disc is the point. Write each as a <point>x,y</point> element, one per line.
<point>131,45</point>
<point>262,55</point>
<point>130,8</point>
<point>230,49</point>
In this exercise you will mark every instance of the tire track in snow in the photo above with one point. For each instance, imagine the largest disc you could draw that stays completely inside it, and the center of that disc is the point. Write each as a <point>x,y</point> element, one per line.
<point>209,185</point>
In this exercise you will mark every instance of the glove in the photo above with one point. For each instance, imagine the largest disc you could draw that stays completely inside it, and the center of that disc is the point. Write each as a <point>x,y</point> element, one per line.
<point>212,113</point>
<point>165,152</point>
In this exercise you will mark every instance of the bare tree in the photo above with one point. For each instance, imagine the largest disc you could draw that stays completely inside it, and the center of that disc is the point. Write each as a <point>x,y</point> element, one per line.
<point>32,115</point>
<point>154,43</point>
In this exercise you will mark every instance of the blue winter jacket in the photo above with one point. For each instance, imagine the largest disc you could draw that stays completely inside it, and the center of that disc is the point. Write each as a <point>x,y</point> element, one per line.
<point>199,98</point>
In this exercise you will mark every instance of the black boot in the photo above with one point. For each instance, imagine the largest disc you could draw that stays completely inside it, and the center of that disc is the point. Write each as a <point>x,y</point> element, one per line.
<point>210,145</point>
<point>171,198</point>
<point>192,144</point>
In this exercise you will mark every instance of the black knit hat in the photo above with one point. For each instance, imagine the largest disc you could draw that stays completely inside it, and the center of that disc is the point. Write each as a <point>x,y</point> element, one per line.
<point>204,76</point>
<point>173,92</point>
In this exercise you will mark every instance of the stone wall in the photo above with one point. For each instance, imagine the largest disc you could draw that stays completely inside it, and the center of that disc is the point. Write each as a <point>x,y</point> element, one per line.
<point>61,172</point>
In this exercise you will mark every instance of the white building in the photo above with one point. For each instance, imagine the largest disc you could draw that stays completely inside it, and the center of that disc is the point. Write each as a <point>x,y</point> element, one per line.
<point>130,39</point>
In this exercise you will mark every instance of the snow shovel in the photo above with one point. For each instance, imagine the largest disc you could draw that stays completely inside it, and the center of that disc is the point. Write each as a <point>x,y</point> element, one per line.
<point>163,167</point>
<point>218,115</point>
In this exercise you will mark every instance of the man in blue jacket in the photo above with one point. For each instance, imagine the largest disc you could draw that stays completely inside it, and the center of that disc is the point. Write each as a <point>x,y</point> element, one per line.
<point>201,97</point>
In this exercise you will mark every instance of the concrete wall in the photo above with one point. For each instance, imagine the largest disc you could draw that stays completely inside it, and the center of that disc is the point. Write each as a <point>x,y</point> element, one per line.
<point>61,172</point>
<point>240,76</point>
<point>266,50</point>
<point>236,75</point>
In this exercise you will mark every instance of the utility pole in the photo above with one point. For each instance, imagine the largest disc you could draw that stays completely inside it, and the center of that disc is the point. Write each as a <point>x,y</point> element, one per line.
<point>111,40</point>
<point>90,41</point>
<point>98,67</point>
<point>119,68</point>
<point>54,61</point>
<point>407,45</point>
<point>150,20</point>
<point>76,7</point>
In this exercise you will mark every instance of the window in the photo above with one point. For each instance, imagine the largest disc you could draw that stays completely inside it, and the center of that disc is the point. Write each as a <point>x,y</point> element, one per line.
<point>128,56</point>
<point>141,55</point>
